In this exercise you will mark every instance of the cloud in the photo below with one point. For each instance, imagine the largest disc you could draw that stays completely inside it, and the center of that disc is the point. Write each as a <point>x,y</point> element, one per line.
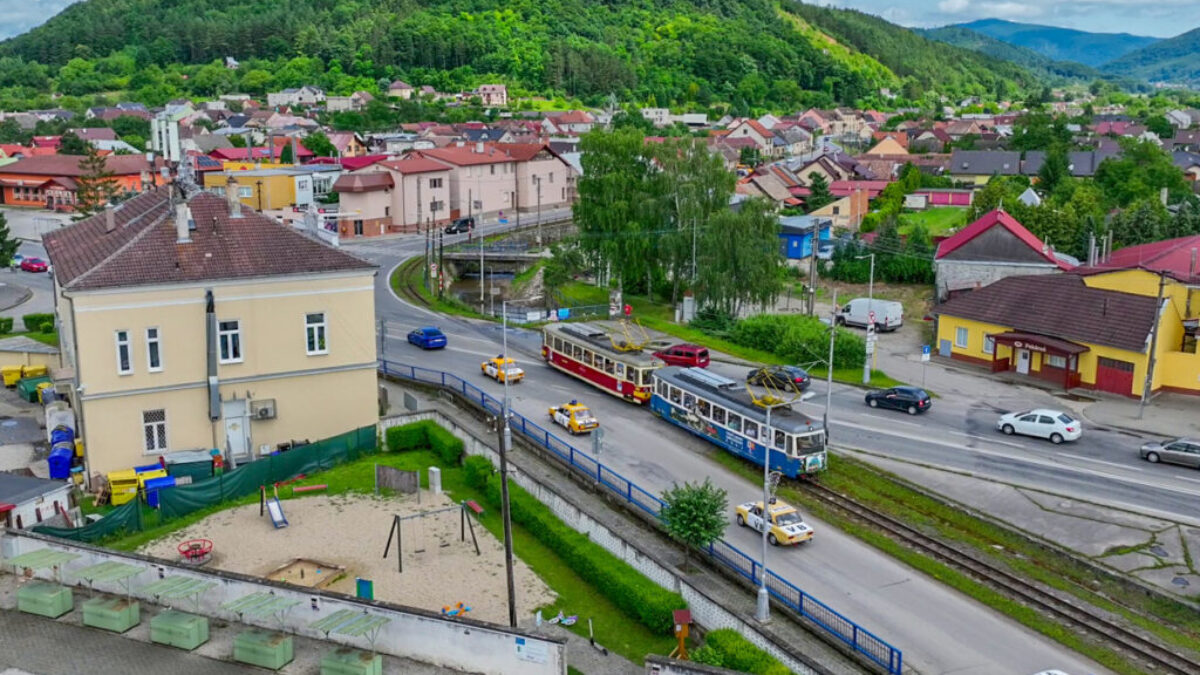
<point>953,6</point>
<point>20,16</point>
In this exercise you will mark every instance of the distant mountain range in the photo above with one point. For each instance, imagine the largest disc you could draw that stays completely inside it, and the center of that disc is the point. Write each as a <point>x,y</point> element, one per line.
<point>1062,44</point>
<point>1033,61</point>
<point>1175,60</point>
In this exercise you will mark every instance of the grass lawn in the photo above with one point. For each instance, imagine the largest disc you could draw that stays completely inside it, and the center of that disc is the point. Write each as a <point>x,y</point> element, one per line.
<point>410,275</point>
<point>1174,622</point>
<point>44,338</point>
<point>575,595</point>
<point>937,220</point>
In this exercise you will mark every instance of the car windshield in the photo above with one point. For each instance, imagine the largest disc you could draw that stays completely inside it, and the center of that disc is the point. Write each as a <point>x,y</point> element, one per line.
<point>1065,419</point>
<point>789,518</point>
<point>433,333</point>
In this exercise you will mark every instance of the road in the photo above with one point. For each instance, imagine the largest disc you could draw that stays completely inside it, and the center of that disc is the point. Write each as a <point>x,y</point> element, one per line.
<point>939,630</point>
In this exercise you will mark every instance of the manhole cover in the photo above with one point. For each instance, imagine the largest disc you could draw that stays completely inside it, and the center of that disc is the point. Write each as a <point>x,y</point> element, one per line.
<point>1158,551</point>
<point>8,423</point>
<point>1180,581</point>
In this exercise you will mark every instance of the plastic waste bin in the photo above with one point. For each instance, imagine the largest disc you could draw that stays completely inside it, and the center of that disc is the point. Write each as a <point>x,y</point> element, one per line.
<point>33,371</point>
<point>153,486</point>
<point>12,375</point>
<point>60,462</point>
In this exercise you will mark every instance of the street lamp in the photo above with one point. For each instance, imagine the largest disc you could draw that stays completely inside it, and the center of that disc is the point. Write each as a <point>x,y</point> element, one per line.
<point>505,445</point>
<point>537,181</point>
<point>871,320</point>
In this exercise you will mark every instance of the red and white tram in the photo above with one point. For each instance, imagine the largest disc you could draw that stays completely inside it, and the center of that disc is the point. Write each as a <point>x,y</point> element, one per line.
<point>590,354</point>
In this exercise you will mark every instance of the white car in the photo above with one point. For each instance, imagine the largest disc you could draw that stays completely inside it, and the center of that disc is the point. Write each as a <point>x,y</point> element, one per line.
<point>1054,425</point>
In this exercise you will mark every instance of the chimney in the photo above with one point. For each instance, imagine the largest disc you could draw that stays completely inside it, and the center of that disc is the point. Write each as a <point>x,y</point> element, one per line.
<point>479,147</point>
<point>183,223</point>
<point>231,198</point>
<point>110,224</point>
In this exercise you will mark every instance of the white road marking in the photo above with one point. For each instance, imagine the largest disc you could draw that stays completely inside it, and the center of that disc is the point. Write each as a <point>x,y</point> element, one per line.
<point>1098,461</point>
<point>892,421</point>
<point>996,440</point>
<point>1194,480</point>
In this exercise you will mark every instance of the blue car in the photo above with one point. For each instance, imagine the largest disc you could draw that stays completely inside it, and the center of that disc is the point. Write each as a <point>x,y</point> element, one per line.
<point>427,338</point>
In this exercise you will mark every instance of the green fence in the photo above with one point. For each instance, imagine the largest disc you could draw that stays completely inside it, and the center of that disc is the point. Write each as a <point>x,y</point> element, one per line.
<point>246,479</point>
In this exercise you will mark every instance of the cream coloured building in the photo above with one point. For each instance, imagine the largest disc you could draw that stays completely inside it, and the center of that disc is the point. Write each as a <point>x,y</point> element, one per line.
<point>194,324</point>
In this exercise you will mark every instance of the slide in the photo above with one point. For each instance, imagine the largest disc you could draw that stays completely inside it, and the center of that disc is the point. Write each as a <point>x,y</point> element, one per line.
<point>276,512</point>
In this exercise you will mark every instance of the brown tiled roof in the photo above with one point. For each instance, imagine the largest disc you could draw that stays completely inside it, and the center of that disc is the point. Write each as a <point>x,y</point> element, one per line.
<point>367,181</point>
<point>68,165</point>
<point>1060,306</point>
<point>142,248</point>
<point>415,165</point>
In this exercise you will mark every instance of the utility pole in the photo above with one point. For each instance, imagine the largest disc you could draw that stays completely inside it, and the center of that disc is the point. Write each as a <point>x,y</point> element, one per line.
<point>829,365</point>
<point>871,321</point>
<point>812,278</point>
<point>537,181</point>
<point>1162,282</point>
<point>382,341</point>
<point>762,610</point>
<point>441,262</point>
<point>505,445</point>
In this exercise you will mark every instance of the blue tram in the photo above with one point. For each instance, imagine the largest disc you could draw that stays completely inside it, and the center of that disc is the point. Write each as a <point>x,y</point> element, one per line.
<point>716,409</point>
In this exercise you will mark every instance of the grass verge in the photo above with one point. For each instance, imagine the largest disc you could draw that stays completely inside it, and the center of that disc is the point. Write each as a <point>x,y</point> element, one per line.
<point>408,281</point>
<point>1172,622</point>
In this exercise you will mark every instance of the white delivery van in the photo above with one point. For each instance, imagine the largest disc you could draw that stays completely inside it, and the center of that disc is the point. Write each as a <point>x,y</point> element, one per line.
<point>889,314</point>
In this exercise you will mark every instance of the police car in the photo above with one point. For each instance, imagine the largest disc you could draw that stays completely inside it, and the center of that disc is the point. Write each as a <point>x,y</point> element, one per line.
<point>787,526</point>
<point>575,417</point>
<point>501,369</point>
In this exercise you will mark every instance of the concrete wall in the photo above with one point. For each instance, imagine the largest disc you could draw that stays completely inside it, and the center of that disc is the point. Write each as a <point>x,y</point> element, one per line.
<point>459,644</point>
<point>706,611</point>
<point>956,275</point>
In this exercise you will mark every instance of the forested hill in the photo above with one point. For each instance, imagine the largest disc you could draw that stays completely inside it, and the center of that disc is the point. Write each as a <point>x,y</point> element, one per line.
<point>1174,60</point>
<point>1062,44</point>
<point>1022,56</point>
<point>668,51</point>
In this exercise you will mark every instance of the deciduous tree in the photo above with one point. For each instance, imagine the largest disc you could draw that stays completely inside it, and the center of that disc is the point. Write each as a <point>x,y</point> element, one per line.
<point>695,514</point>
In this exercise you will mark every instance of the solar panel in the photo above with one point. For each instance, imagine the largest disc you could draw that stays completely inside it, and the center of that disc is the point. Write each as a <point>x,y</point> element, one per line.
<point>702,376</point>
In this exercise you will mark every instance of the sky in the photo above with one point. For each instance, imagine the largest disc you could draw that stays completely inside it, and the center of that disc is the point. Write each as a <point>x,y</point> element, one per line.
<point>1159,18</point>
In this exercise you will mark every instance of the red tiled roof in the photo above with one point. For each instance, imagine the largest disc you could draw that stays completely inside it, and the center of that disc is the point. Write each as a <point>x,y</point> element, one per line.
<point>493,153</point>
<point>989,220</point>
<point>370,181</point>
<point>95,134</point>
<point>843,188</point>
<point>1173,257</point>
<point>415,165</point>
<point>68,165</point>
<point>349,163</point>
<point>142,248</point>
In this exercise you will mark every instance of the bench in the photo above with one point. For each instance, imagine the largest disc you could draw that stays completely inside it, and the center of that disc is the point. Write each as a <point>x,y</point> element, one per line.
<point>290,480</point>
<point>474,506</point>
<point>309,488</point>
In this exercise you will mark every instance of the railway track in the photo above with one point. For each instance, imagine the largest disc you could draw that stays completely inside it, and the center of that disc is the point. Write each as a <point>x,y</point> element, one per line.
<point>1148,654</point>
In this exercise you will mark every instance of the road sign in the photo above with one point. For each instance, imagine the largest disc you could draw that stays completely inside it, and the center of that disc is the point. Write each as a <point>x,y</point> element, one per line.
<point>871,317</point>
<point>924,352</point>
<point>870,347</point>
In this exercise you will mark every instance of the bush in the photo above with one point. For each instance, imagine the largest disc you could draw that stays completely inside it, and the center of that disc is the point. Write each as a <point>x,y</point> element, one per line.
<point>6,325</point>
<point>799,339</point>
<point>708,656</point>
<point>444,444</point>
<point>47,327</point>
<point>408,437</point>
<point>738,653</point>
<point>637,596</point>
<point>713,321</point>
<point>476,471</point>
<point>33,322</point>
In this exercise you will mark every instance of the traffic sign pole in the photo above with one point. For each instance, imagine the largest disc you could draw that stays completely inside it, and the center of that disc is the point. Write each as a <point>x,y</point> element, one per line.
<point>924,363</point>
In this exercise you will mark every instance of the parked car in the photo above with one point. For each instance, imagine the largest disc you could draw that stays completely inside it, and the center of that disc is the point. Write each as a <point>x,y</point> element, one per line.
<point>1185,451</point>
<point>34,265</point>
<point>787,525</point>
<point>1054,425</point>
<point>501,369</point>
<point>889,314</point>
<point>825,249</point>
<point>16,260</point>
<point>912,400</point>
<point>688,355</point>
<point>575,417</point>
<point>427,338</point>
<point>460,225</point>
<point>780,377</point>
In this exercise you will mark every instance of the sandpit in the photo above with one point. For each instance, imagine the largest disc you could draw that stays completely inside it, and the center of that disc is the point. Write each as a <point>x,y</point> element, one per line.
<point>350,531</point>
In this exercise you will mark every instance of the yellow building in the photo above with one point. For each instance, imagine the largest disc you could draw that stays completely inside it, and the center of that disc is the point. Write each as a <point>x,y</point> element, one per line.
<point>192,325</point>
<point>1090,329</point>
<point>259,189</point>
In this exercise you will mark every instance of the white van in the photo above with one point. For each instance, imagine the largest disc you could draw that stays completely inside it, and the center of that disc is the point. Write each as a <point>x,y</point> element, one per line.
<point>889,314</point>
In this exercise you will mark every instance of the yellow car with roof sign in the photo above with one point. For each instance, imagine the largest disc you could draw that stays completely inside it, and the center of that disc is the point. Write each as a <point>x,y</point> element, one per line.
<point>575,417</point>
<point>787,526</point>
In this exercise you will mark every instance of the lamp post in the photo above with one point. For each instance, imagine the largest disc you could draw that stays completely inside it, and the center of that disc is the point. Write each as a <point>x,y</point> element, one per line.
<point>763,609</point>
<point>537,181</point>
<point>829,367</point>
<point>505,445</point>
<point>871,321</point>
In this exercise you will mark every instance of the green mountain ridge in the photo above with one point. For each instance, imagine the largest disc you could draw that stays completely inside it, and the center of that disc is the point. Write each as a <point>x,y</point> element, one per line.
<point>1175,60</point>
<point>1023,56</point>
<point>1061,44</point>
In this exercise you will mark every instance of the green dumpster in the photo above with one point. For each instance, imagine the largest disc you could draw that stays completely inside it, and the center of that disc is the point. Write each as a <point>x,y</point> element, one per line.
<point>111,613</point>
<point>346,661</point>
<point>28,388</point>
<point>45,599</point>
<point>263,648</point>
<point>179,629</point>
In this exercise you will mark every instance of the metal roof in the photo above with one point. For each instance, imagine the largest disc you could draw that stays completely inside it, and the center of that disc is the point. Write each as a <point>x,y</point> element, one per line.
<point>730,395</point>
<point>110,570</point>
<point>260,604</point>
<point>350,623</point>
<point>41,558</point>
<point>178,587</point>
<point>602,341</point>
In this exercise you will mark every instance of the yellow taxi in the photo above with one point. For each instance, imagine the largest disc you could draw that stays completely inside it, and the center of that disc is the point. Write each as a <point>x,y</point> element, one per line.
<point>501,369</point>
<point>575,417</point>
<point>787,526</point>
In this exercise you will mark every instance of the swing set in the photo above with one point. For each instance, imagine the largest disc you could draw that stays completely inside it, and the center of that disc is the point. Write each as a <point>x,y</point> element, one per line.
<point>396,532</point>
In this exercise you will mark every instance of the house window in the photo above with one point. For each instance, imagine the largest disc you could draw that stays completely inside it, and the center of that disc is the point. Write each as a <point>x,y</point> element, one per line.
<point>314,333</point>
<point>552,177</point>
<point>387,211</point>
<point>245,193</point>
<point>989,344</point>
<point>229,339</point>
<point>960,337</point>
<point>124,360</point>
<point>1056,361</point>
<point>303,185</point>
<point>493,167</point>
<point>435,183</point>
<point>435,206</point>
<point>154,430</point>
<point>153,351</point>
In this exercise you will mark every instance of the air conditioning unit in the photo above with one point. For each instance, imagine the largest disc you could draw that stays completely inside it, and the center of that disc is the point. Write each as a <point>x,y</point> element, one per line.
<point>263,410</point>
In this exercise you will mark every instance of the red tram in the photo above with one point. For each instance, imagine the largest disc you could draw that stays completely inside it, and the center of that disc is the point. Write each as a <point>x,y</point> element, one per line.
<point>588,353</point>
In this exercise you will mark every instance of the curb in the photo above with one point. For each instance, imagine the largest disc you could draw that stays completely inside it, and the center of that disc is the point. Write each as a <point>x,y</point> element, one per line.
<point>24,298</point>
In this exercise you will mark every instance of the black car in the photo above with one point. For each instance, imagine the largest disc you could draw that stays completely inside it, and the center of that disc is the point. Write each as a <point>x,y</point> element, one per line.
<point>912,400</point>
<point>460,225</point>
<point>780,377</point>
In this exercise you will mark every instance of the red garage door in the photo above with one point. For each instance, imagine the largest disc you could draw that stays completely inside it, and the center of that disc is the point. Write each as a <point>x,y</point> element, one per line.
<point>1114,376</point>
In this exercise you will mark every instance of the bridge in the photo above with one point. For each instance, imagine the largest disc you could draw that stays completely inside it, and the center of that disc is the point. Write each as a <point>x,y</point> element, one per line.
<point>495,259</point>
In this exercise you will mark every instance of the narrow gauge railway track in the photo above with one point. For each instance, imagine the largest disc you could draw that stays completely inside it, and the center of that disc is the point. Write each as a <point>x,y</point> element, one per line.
<point>1158,658</point>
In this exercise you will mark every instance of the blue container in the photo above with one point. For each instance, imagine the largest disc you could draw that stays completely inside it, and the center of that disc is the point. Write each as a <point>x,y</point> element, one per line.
<point>153,486</point>
<point>62,434</point>
<point>60,461</point>
<point>147,467</point>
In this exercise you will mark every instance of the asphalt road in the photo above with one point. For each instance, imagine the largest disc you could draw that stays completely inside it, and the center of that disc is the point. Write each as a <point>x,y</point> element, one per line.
<point>939,630</point>
<point>40,283</point>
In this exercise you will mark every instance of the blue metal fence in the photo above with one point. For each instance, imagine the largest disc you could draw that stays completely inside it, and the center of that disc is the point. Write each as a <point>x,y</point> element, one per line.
<point>784,591</point>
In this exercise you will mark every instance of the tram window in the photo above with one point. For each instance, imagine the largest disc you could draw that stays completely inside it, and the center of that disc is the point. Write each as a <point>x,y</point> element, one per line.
<point>688,401</point>
<point>735,422</point>
<point>674,395</point>
<point>631,374</point>
<point>576,352</point>
<point>558,344</point>
<point>791,447</point>
<point>647,375</point>
<point>608,365</point>
<point>662,389</point>
<point>704,408</point>
<point>587,357</point>
<point>807,443</point>
<point>751,429</point>
<point>718,414</point>
<point>779,439</point>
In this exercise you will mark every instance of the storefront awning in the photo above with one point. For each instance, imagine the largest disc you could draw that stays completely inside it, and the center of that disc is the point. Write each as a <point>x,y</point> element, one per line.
<point>1039,343</point>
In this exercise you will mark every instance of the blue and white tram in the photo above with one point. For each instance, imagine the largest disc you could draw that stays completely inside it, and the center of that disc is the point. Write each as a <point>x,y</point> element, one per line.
<point>716,409</point>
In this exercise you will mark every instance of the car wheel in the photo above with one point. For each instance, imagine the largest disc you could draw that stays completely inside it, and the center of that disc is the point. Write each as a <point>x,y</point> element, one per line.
<point>741,521</point>
<point>1008,429</point>
<point>1056,438</point>
<point>873,403</point>
<point>771,538</point>
<point>1152,458</point>
<point>912,410</point>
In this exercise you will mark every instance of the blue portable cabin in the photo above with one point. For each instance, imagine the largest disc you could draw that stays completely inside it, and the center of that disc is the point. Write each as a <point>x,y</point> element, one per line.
<point>796,234</point>
<point>720,411</point>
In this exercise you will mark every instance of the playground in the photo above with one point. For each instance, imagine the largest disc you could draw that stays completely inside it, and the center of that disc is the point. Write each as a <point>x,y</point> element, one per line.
<point>347,534</point>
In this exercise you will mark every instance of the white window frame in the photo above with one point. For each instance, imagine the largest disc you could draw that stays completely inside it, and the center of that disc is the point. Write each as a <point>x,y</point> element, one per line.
<point>121,338</point>
<point>156,341</point>
<point>155,450</point>
<point>222,334</point>
<point>962,337</point>
<point>316,332</point>
<point>1050,361</point>
<point>989,344</point>
<point>245,192</point>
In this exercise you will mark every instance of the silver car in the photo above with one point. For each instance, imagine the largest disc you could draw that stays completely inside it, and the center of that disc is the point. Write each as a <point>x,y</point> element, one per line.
<point>1185,451</point>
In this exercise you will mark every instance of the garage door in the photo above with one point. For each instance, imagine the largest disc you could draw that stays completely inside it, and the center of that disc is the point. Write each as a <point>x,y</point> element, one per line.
<point>1114,376</point>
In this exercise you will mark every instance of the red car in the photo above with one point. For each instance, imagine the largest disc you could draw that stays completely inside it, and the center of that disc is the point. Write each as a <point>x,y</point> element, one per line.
<point>687,355</point>
<point>34,265</point>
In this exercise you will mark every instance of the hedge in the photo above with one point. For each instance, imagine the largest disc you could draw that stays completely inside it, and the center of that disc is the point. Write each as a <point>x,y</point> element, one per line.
<point>638,597</point>
<point>6,325</point>
<point>476,471</point>
<point>444,444</point>
<point>799,339</point>
<point>738,653</point>
<point>408,437</point>
<point>34,322</point>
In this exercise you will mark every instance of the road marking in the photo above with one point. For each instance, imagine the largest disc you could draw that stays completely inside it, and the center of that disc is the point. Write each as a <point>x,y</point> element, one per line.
<point>893,421</point>
<point>1194,480</point>
<point>1098,461</point>
<point>996,440</point>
